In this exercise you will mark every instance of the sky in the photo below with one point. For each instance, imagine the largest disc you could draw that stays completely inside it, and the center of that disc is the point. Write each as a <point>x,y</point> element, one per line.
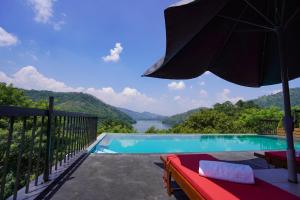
<point>102,47</point>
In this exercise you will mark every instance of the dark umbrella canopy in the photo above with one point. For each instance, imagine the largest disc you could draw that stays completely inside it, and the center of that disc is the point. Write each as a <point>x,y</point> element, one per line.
<point>248,42</point>
<point>231,39</point>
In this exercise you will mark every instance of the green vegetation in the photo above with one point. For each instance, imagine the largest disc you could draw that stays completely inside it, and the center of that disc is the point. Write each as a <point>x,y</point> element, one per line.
<point>176,119</point>
<point>243,117</point>
<point>277,99</point>
<point>80,102</point>
<point>109,126</point>
<point>142,115</point>
<point>16,97</point>
<point>11,96</point>
<point>153,130</point>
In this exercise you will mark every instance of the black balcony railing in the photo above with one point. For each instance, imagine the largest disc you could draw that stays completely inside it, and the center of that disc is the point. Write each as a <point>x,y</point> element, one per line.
<point>35,142</point>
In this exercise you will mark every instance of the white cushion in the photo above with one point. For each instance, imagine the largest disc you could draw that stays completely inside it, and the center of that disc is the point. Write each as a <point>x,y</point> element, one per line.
<point>226,171</point>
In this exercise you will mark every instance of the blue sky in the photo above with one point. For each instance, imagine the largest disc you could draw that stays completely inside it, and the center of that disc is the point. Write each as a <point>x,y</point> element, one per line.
<point>102,47</point>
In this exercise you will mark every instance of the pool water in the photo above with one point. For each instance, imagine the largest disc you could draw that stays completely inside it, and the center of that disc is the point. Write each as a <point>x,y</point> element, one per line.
<point>138,143</point>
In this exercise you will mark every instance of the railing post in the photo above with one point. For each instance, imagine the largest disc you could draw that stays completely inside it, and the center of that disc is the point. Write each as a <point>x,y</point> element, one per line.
<point>95,134</point>
<point>48,143</point>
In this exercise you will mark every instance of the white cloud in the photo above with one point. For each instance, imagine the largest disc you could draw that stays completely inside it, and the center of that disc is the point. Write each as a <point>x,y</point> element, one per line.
<point>177,98</point>
<point>43,10</point>
<point>4,78</point>
<point>203,93</point>
<point>30,78</point>
<point>7,39</point>
<point>176,85</point>
<point>114,54</point>
<point>225,96</point>
<point>57,25</point>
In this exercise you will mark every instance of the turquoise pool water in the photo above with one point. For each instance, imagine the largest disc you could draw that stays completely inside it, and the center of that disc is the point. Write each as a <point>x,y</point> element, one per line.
<point>133,143</point>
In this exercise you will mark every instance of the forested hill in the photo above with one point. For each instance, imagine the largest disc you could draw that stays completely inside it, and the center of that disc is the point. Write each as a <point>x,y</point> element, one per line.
<point>277,99</point>
<point>178,118</point>
<point>80,102</point>
<point>266,101</point>
<point>142,115</point>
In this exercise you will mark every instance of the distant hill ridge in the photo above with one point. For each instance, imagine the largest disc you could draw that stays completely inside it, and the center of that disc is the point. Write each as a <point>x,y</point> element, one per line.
<point>277,99</point>
<point>80,102</point>
<point>178,118</point>
<point>142,115</point>
<point>265,101</point>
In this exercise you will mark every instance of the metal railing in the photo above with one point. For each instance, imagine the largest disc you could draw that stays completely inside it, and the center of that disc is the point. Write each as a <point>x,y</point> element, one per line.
<point>35,142</point>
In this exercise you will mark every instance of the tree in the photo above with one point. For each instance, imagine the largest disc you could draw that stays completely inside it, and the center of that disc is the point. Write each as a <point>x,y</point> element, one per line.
<point>114,126</point>
<point>206,121</point>
<point>152,130</point>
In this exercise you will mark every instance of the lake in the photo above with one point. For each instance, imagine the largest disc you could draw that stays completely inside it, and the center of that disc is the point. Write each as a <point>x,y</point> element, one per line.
<point>143,125</point>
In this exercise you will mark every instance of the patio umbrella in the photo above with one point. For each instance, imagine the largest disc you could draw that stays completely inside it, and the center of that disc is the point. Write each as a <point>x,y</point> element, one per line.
<point>248,42</point>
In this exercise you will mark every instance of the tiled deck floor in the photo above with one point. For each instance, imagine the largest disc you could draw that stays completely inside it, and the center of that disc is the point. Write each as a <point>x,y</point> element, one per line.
<point>133,177</point>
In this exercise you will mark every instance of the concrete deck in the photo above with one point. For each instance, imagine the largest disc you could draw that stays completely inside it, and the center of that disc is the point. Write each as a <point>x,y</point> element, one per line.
<point>131,177</point>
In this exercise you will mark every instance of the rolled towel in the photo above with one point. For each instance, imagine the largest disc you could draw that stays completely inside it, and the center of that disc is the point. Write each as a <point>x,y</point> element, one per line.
<point>226,171</point>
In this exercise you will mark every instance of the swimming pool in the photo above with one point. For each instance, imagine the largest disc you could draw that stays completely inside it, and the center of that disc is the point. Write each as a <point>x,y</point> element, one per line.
<point>173,143</point>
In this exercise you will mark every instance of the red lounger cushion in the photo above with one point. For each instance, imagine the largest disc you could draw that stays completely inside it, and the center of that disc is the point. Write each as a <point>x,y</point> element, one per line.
<point>187,165</point>
<point>281,155</point>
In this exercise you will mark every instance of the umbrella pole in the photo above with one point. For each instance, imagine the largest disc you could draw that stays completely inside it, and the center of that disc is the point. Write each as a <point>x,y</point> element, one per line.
<point>288,120</point>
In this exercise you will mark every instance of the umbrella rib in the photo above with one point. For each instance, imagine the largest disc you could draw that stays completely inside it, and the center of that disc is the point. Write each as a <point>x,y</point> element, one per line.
<point>282,12</point>
<point>291,18</point>
<point>228,37</point>
<point>252,30</point>
<point>246,22</point>
<point>258,12</point>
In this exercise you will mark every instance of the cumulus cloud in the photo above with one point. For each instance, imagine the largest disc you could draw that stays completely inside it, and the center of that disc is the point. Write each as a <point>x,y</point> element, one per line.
<point>30,78</point>
<point>5,79</point>
<point>176,85</point>
<point>225,96</point>
<point>43,10</point>
<point>7,39</point>
<point>114,55</point>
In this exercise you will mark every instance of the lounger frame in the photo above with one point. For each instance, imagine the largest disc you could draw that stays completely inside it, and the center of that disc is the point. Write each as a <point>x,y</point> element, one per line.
<point>276,162</point>
<point>172,173</point>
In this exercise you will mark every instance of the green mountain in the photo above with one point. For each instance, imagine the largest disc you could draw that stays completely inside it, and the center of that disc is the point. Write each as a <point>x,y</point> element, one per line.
<point>277,99</point>
<point>263,101</point>
<point>142,115</point>
<point>178,118</point>
<point>80,102</point>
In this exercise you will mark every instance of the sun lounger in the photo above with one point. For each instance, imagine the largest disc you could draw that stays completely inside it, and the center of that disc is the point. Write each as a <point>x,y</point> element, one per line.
<point>278,159</point>
<point>184,170</point>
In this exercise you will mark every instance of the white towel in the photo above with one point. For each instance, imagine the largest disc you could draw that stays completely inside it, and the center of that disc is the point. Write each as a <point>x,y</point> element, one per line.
<point>297,153</point>
<point>226,171</point>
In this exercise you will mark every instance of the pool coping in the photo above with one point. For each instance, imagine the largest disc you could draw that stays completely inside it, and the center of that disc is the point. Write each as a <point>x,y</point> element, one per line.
<point>93,145</point>
<point>102,135</point>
